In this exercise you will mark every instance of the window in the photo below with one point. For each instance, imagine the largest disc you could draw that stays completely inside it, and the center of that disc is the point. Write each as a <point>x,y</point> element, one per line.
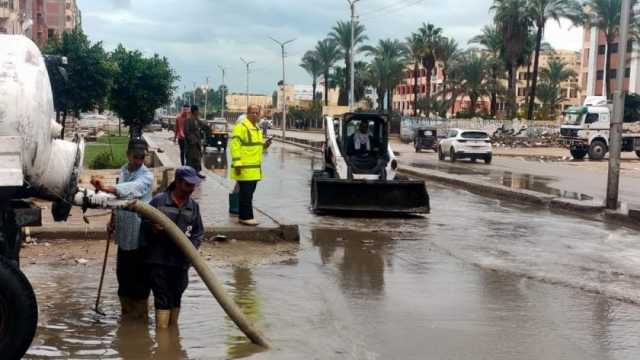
<point>522,91</point>
<point>573,93</point>
<point>68,18</point>
<point>563,93</point>
<point>613,73</point>
<point>630,46</point>
<point>600,75</point>
<point>627,73</point>
<point>614,48</point>
<point>591,118</point>
<point>51,33</point>
<point>601,49</point>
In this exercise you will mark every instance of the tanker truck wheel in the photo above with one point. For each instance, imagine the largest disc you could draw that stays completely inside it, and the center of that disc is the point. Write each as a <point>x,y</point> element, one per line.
<point>18,312</point>
<point>597,150</point>
<point>578,154</point>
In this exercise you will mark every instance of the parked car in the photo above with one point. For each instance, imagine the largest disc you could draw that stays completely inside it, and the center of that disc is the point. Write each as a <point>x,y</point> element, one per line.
<point>426,138</point>
<point>466,144</point>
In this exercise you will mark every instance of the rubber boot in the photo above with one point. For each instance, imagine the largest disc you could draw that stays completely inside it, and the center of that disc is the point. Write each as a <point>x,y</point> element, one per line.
<point>163,318</point>
<point>175,314</point>
<point>126,305</point>
<point>140,309</point>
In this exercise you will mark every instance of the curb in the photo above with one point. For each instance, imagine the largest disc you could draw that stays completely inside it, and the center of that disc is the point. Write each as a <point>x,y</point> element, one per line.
<point>286,233</point>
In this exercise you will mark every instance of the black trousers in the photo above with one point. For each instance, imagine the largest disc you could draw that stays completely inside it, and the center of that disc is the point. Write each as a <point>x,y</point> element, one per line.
<point>247,188</point>
<point>168,284</point>
<point>131,271</point>
<point>183,151</point>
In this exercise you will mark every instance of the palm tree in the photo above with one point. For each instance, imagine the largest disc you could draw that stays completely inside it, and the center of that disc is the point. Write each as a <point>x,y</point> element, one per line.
<point>414,54</point>
<point>341,34</point>
<point>430,36</point>
<point>491,39</point>
<point>311,63</point>
<point>513,23</point>
<point>392,53</point>
<point>605,15</point>
<point>472,71</point>
<point>328,53</point>
<point>448,52</point>
<point>541,11</point>
<point>376,77</point>
<point>551,79</point>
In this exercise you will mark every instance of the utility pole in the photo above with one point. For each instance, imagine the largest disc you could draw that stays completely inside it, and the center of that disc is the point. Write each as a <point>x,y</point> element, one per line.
<point>222,95</point>
<point>615,132</point>
<point>247,63</point>
<point>284,86</point>
<point>193,98</point>
<point>352,5</point>
<point>206,97</point>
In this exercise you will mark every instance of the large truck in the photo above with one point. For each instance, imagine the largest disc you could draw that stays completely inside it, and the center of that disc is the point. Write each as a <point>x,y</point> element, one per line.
<point>585,129</point>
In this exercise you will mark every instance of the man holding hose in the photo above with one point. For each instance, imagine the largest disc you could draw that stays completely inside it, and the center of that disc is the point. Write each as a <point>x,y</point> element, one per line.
<point>168,267</point>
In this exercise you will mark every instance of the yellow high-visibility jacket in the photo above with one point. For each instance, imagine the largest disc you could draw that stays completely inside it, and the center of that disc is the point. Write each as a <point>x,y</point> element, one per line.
<point>247,146</point>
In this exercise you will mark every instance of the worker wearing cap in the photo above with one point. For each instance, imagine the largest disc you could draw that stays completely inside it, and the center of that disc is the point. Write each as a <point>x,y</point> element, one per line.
<point>135,182</point>
<point>168,267</point>
<point>178,136</point>
<point>247,146</point>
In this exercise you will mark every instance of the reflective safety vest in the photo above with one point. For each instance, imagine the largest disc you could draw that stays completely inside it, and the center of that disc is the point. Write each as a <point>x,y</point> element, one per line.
<point>247,146</point>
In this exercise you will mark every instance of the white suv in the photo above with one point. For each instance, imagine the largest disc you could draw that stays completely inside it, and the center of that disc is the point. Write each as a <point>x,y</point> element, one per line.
<point>465,144</point>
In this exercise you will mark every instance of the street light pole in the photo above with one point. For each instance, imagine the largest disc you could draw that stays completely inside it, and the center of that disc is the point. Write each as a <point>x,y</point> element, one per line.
<point>352,5</point>
<point>247,63</point>
<point>194,94</point>
<point>222,95</point>
<point>615,131</point>
<point>206,98</point>
<point>284,87</point>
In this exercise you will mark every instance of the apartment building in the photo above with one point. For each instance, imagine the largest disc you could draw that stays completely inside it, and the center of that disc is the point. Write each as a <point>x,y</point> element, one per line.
<point>10,20</point>
<point>50,18</point>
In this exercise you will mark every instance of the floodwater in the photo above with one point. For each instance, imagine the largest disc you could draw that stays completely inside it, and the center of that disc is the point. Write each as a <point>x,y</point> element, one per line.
<point>478,278</point>
<point>541,184</point>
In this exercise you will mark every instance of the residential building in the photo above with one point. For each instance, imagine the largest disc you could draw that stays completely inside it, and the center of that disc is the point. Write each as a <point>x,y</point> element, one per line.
<point>300,96</point>
<point>50,18</point>
<point>10,17</point>
<point>237,102</point>
<point>593,70</point>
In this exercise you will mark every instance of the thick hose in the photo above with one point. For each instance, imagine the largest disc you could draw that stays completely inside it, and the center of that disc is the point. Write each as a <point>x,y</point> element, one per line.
<point>181,240</point>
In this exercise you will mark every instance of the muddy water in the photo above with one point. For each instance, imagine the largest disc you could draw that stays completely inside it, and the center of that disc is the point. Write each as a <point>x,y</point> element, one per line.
<point>476,279</point>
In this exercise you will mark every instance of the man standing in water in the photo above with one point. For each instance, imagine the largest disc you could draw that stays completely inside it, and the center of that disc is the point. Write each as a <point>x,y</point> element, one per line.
<point>135,182</point>
<point>168,267</point>
<point>193,137</point>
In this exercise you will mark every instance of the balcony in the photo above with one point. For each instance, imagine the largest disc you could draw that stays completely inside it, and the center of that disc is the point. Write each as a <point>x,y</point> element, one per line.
<point>6,9</point>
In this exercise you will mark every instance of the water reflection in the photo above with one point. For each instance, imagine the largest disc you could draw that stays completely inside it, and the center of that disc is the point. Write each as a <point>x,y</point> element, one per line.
<point>168,345</point>
<point>216,162</point>
<point>244,294</point>
<point>132,339</point>
<point>362,264</point>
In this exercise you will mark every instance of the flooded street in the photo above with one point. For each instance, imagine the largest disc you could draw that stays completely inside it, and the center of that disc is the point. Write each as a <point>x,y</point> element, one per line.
<point>478,278</point>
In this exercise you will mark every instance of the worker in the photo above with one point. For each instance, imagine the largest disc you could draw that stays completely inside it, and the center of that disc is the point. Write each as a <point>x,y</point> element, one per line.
<point>264,125</point>
<point>135,182</point>
<point>178,136</point>
<point>193,139</point>
<point>361,143</point>
<point>168,266</point>
<point>247,146</point>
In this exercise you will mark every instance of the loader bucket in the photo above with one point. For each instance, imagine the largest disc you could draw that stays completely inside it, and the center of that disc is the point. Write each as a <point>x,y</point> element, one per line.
<point>398,196</point>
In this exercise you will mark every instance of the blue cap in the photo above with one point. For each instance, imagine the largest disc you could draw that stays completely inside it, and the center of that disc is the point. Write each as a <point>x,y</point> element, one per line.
<point>188,174</point>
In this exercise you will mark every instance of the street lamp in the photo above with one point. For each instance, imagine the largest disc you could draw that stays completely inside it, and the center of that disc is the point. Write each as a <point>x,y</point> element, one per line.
<point>352,5</point>
<point>222,95</point>
<point>247,63</point>
<point>284,86</point>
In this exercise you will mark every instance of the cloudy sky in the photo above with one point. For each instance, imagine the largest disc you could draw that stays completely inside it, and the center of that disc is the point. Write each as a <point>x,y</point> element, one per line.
<point>198,35</point>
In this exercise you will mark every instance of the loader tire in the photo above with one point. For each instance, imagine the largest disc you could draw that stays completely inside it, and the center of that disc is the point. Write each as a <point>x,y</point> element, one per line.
<point>18,311</point>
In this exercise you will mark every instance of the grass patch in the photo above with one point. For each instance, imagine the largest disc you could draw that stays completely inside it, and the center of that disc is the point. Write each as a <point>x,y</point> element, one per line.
<point>108,152</point>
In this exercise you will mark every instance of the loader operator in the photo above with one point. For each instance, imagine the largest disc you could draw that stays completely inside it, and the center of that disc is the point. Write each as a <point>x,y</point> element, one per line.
<point>135,182</point>
<point>362,149</point>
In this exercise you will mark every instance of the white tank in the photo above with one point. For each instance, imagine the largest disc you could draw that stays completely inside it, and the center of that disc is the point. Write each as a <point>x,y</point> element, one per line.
<point>30,155</point>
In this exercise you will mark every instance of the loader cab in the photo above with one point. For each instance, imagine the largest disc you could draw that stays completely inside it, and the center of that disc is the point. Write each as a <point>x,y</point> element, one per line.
<point>374,158</point>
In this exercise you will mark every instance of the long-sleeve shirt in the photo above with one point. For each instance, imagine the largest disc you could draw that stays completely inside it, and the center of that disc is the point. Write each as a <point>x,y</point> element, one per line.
<point>160,248</point>
<point>131,185</point>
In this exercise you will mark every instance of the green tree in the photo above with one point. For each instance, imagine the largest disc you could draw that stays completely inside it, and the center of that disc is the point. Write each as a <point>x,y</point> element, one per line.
<point>473,73</point>
<point>513,23</point>
<point>541,11</point>
<point>605,16</point>
<point>140,85</point>
<point>341,34</point>
<point>89,74</point>
<point>389,67</point>
<point>312,65</point>
<point>491,40</point>
<point>328,54</point>
<point>448,52</point>
<point>551,79</point>
<point>430,36</point>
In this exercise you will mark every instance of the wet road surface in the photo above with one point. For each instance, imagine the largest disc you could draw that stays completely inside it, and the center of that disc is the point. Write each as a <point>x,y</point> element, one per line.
<point>478,278</point>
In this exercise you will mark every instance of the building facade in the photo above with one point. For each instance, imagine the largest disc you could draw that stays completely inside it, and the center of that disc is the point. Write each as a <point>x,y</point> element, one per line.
<point>298,96</point>
<point>594,68</point>
<point>50,18</point>
<point>10,19</point>
<point>237,102</point>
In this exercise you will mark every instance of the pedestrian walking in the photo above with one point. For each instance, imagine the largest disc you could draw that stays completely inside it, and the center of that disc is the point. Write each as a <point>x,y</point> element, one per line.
<point>193,138</point>
<point>247,146</point>
<point>135,182</point>
<point>178,136</point>
<point>168,267</point>
<point>264,124</point>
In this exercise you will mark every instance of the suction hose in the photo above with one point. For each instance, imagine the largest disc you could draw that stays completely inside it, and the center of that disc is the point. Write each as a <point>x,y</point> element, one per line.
<point>203,270</point>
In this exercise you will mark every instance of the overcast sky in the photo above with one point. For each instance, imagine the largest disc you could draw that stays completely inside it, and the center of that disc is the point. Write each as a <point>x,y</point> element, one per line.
<point>198,35</point>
